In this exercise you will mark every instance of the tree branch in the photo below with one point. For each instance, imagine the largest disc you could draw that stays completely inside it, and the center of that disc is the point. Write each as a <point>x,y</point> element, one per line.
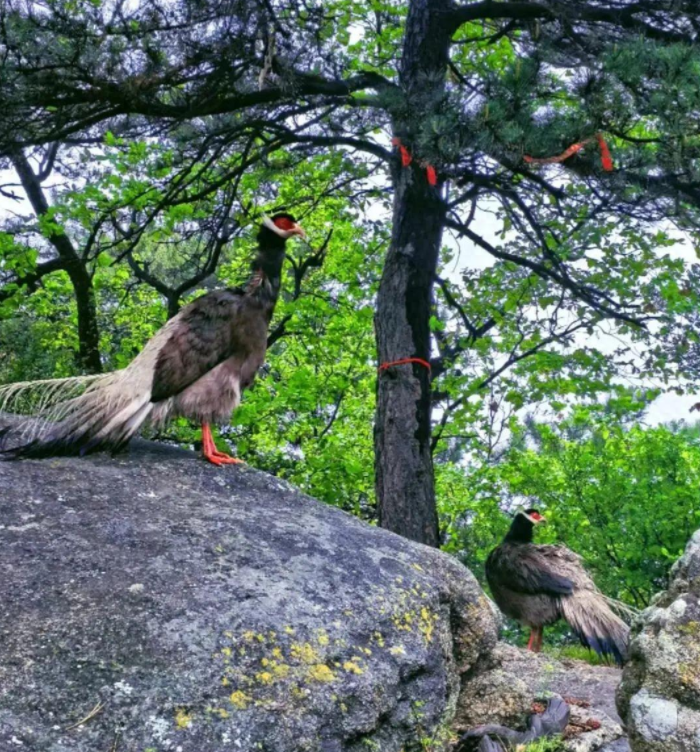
<point>626,16</point>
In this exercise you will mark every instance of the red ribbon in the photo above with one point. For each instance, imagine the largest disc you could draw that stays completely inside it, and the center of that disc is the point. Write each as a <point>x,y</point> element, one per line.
<point>406,159</point>
<point>404,361</point>
<point>605,156</point>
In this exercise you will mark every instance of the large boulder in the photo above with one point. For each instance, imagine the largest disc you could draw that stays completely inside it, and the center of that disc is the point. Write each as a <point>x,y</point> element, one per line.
<point>659,697</point>
<point>152,602</point>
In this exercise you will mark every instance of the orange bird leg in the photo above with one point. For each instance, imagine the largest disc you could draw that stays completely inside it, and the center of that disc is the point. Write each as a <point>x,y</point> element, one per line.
<point>211,453</point>
<point>538,639</point>
<point>531,640</point>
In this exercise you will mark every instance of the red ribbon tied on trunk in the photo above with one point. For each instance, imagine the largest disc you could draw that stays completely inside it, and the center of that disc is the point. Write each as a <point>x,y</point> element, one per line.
<point>403,362</point>
<point>407,158</point>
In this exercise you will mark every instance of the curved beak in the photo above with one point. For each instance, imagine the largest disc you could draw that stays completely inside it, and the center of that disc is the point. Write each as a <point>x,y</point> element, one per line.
<point>298,230</point>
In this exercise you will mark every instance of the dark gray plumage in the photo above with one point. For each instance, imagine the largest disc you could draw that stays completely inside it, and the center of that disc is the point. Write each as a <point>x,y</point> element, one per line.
<point>539,584</point>
<point>551,722</point>
<point>196,366</point>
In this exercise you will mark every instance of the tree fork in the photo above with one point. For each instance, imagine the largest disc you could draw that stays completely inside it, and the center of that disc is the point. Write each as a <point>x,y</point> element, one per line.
<point>404,469</point>
<point>72,263</point>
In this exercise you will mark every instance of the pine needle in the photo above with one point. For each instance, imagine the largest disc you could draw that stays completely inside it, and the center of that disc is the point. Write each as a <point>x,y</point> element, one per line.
<point>95,711</point>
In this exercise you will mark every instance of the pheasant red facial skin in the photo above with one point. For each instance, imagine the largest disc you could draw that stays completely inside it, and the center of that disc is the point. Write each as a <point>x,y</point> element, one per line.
<point>539,584</point>
<point>197,366</point>
<point>284,223</point>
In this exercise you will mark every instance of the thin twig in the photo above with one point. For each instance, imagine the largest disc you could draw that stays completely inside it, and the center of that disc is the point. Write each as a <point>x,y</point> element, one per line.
<point>95,711</point>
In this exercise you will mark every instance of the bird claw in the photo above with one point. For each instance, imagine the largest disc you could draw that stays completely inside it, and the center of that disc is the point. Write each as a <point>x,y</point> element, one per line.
<point>212,454</point>
<point>219,458</point>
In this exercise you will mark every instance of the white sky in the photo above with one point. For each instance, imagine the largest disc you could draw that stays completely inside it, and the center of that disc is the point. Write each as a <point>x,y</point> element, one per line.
<point>669,405</point>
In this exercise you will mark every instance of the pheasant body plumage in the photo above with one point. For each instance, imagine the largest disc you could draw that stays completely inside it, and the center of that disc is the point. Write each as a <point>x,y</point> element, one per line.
<point>539,584</point>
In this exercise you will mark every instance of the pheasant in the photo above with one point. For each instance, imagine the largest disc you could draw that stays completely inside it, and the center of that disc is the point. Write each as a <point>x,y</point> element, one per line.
<point>197,366</point>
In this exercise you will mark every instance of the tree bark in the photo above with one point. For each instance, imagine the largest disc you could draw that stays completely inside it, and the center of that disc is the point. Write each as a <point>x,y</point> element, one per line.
<point>404,469</point>
<point>70,260</point>
<point>88,332</point>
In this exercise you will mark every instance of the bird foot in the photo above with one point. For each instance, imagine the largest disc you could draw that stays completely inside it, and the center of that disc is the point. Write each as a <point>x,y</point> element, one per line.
<point>212,454</point>
<point>221,458</point>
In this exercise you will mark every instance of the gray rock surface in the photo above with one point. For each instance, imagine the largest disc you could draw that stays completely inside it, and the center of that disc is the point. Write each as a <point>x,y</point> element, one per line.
<point>660,692</point>
<point>504,695</point>
<point>152,602</point>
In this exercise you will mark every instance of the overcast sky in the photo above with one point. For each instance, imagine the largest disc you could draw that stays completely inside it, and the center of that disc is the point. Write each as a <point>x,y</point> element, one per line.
<point>668,406</point>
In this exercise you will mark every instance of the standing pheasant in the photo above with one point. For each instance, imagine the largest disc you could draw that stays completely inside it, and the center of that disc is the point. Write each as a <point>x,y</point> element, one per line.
<point>197,366</point>
<point>540,584</point>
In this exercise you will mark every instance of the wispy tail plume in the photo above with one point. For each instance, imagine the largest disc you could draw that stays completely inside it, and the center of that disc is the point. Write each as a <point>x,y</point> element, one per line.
<point>72,416</point>
<point>595,624</point>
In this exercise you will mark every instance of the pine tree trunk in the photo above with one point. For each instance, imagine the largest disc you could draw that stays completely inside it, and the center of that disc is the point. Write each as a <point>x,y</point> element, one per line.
<point>404,469</point>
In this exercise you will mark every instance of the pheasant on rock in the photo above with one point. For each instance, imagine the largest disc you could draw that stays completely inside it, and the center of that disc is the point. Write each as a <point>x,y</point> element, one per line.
<point>196,366</point>
<point>540,584</point>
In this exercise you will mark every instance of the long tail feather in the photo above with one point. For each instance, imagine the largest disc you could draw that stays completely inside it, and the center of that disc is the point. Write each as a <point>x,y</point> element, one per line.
<point>73,416</point>
<point>619,607</point>
<point>34,397</point>
<point>595,624</point>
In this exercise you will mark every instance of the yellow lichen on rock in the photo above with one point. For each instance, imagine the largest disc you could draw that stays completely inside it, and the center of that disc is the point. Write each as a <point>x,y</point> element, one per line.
<point>320,672</point>
<point>323,638</point>
<point>240,699</point>
<point>182,718</point>
<point>426,623</point>
<point>220,712</point>
<point>304,652</point>
<point>280,670</point>
<point>352,665</point>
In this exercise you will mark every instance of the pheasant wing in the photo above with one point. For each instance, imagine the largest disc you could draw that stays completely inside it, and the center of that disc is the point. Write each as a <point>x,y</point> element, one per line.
<point>200,337</point>
<point>527,569</point>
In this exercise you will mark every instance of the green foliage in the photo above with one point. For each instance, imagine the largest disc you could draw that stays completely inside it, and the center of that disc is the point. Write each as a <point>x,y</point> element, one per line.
<point>624,496</point>
<point>544,745</point>
<point>575,652</point>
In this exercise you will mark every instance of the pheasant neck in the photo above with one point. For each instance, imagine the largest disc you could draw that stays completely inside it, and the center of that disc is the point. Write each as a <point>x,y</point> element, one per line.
<point>520,530</point>
<point>265,280</point>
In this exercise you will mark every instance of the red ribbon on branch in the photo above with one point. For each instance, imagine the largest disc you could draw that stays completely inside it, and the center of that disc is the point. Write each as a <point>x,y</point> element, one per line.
<point>605,156</point>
